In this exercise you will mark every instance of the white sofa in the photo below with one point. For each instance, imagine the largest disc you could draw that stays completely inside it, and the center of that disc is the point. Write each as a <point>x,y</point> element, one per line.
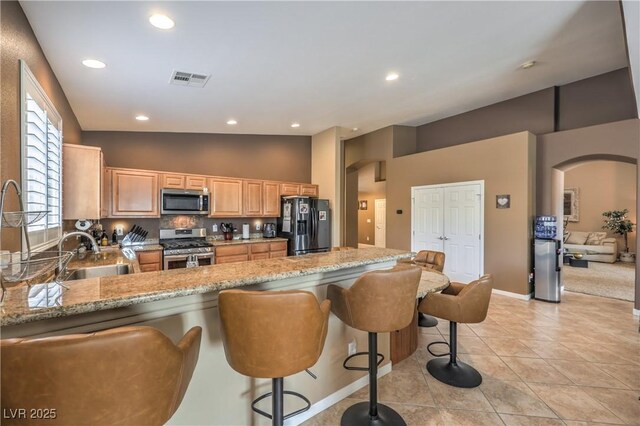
<point>595,246</point>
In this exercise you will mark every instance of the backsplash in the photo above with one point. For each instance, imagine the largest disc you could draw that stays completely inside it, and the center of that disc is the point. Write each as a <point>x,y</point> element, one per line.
<point>181,221</point>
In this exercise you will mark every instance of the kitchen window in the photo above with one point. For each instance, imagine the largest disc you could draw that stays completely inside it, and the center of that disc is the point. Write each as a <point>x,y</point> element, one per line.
<point>41,160</point>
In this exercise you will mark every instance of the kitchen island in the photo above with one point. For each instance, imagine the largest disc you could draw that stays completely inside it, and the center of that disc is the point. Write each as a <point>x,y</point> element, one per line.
<point>174,301</point>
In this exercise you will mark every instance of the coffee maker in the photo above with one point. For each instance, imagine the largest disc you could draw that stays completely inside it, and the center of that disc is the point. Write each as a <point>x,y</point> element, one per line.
<point>269,230</point>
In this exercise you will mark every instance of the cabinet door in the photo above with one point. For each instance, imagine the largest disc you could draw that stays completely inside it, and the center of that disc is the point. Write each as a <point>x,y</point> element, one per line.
<point>252,198</point>
<point>309,190</point>
<point>134,193</point>
<point>81,174</point>
<point>289,189</point>
<point>172,181</point>
<point>259,256</point>
<point>226,197</point>
<point>275,254</point>
<point>196,183</point>
<point>232,259</point>
<point>105,189</point>
<point>271,199</point>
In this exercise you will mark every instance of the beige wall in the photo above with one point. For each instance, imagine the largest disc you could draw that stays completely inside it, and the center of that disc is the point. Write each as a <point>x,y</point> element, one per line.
<point>19,42</point>
<point>604,185</point>
<point>249,156</point>
<point>506,164</point>
<point>326,167</point>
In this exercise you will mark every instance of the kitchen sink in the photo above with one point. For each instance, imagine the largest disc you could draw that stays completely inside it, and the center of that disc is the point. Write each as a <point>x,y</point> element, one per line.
<point>96,272</point>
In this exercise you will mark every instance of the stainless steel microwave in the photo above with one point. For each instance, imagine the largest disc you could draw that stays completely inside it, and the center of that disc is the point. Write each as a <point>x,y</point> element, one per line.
<point>180,201</point>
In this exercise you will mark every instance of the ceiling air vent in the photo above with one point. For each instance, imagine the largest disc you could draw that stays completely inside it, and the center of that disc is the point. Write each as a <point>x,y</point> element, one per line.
<point>181,78</point>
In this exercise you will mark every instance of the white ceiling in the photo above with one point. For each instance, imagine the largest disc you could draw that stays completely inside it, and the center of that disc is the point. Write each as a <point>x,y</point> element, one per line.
<point>321,64</point>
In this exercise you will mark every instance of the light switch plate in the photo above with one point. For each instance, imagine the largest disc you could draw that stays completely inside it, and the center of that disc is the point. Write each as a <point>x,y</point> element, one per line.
<point>214,228</point>
<point>119,230</point>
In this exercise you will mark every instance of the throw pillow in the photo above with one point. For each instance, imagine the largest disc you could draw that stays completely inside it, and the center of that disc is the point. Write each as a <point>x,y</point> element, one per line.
<point>595,238</point>
<point>576,237</point>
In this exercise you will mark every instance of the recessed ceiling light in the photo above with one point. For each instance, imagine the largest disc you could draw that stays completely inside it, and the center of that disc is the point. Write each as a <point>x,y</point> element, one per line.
<point>355,129</point>
<point>232,122</point>
<point>162,21</point>
<point>294,125</point>
<point>527,65</point>
<point>391,76</point>
<point>142,118</point>
<point>93,63</point>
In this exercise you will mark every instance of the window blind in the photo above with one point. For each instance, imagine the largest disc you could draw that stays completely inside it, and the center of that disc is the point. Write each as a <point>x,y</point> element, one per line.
<point>41,162</point>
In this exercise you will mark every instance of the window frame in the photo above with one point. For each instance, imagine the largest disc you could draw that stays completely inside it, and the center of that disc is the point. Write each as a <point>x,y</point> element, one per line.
<point>29,84</point>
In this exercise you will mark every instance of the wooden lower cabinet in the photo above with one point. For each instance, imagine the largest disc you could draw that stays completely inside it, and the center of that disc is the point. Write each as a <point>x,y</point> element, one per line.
<point>250,251</point>
<point>150,260</point>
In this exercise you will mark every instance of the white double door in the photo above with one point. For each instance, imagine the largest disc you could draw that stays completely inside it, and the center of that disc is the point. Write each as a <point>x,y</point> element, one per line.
<point>449,218</point>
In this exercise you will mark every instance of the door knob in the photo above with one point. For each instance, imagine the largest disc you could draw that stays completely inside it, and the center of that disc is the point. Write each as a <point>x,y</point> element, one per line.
<point>441,238</point>
<point>445,238</point>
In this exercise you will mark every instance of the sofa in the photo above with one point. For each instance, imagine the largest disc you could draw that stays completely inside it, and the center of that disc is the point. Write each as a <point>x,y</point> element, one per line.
<point>595,246</point>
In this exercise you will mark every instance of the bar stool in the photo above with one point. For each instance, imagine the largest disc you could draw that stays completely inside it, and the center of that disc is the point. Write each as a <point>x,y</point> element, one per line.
<point>427,259</point>
<point>273,334</point>
<point>377,302</point>
<point>458,303</point>
<point>123,376</point>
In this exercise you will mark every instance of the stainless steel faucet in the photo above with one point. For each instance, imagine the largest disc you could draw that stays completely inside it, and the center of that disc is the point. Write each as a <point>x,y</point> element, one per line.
<point>95,245</point>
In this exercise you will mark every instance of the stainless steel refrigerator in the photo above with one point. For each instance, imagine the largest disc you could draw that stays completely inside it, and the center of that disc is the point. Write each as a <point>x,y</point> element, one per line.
<point>546,267</point>
<point>306,223</point>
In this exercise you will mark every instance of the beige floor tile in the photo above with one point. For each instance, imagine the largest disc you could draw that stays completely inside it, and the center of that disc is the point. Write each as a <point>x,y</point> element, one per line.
<point>509,347</point>
<point>572,403</point>
<point>415,415</point>
<point>469,418</point>
<point>401,387</point>
<point>514,398</point>
<point>473,345</point>
<point>447,396</point>
<point>586,374</point>
<point>513,420</point>
<point>488,329</point>
<point>577,423</point>
<point>627,374</point>
<point>551,350</point>
<point>332,415</point>
<point>491,367</point>
<point>598,353</point>
<point>622,403</point>
<point>535,370</point>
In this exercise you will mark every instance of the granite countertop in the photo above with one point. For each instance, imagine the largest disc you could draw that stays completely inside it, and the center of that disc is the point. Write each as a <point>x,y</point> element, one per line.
<point>21,304</point>
<point>249,241</point>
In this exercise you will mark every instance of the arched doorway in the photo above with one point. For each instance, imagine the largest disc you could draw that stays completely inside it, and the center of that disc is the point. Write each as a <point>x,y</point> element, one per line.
<point>584,188</point>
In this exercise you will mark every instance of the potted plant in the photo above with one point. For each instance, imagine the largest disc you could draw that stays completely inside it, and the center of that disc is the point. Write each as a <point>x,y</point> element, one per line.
<point>617,221</point>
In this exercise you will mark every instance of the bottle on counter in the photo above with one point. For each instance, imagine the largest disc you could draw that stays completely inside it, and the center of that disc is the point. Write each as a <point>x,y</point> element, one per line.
<point>114,237</point>
<point>104,240</point>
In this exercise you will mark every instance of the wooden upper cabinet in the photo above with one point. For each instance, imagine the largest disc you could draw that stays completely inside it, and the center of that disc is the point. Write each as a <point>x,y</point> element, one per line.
<point>196,183</point>
<point>289,189</point>
<point>226,197</point>
<point>105,189</point>
<point>134,193</point>
<point>271,199</point>
<point>82,182</point>
<point>252,198</point>
<point>173,181</point>
<point>309,190</point>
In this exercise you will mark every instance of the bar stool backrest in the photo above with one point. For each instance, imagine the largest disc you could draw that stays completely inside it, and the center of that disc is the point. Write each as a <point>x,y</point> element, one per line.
<point>271,334</point>
<point>123,376</point>
<point>378,301</point>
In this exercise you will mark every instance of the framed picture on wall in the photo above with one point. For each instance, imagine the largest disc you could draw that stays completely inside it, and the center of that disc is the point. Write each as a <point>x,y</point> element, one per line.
<point>571,204</point>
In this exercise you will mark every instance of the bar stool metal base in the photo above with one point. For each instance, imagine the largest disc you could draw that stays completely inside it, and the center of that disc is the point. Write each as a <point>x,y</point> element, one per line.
<point>358,414</point>
<point>456,374</point>
<point>426,320</point>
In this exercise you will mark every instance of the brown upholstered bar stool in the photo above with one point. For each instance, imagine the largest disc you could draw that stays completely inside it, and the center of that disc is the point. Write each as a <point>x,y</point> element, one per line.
<point>458,303</point>
<point>427,259</point>
<point>377,302</point>
<point>123,376</point>
<point>273,334</point>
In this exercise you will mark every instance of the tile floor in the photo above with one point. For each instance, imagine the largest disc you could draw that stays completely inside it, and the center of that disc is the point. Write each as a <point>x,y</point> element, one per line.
<point>576,363</point>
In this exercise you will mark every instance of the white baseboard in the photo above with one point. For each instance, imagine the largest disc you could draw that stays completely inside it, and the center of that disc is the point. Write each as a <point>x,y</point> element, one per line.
<point>339,395</point>
<point>636,312</point>
<point>514,295</point>
<point>361,245</point>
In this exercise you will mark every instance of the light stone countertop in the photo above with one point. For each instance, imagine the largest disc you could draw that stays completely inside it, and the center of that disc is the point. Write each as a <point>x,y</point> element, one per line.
<point>43,301</point>
<point>217,243</point>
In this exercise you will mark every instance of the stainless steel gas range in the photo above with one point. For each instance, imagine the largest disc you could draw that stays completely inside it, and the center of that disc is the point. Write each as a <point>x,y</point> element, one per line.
<point>186,248</point>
